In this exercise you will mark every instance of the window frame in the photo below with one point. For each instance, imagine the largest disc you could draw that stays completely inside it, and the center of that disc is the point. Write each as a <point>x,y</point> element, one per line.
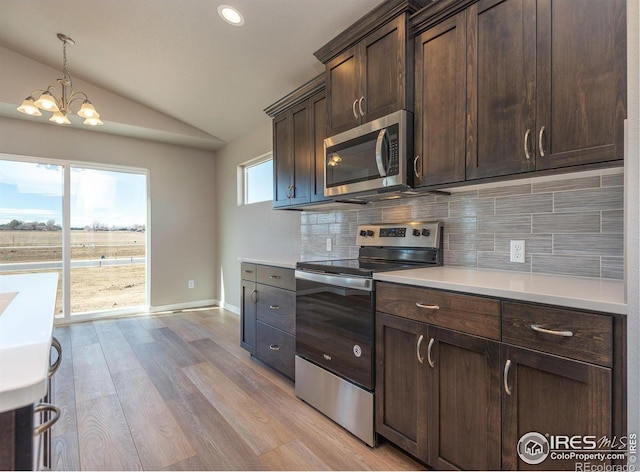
<point>243,190</point>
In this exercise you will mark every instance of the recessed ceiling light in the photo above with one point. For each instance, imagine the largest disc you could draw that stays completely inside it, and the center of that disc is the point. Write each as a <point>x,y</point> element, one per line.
<point>231,15</point>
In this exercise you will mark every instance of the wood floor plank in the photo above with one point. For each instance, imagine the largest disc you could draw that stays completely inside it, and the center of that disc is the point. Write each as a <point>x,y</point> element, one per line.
<point>173,345</point>
<point>91,375</point>
<point>82,334</point>
<point>158,438</point>
<point>105,442</point>
<point>163,371</point>
<point>293,456</point>
<point>261,430</point>
<point>219,446</point>
<point>186,330</point>
<point>63,386</point>
<point>192,463</point>
<point>152,321</point>
<point>133,331</point>
<point>64,451</point>
<point>223,328</point>
<point>118,353</point>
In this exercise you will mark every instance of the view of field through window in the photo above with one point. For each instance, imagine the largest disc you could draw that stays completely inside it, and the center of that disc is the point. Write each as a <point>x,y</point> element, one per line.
<point>107,232</point>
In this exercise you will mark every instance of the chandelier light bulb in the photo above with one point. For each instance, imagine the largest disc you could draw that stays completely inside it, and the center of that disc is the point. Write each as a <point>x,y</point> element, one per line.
<point>47,102</point>
<point>93,121</point>
<point>29,107</point>
<point>60,118</point>
<point>87,110</point>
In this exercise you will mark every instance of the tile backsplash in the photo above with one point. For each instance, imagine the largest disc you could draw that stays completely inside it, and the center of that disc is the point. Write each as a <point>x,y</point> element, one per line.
<point>571,226</point>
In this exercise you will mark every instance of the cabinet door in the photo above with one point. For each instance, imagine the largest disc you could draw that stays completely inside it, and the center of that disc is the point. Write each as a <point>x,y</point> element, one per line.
<point>343,92</point>
<point>401,383</point>
<point>248,316</point>
<point>581,82</point>
<point>501,61</point>
<point>318,110</point>
<point>282,160</point>
<point>302,149</point>
<point>551,395</point>
<point>440,67</point>
<point>464,426</point>
<point>383,76</point>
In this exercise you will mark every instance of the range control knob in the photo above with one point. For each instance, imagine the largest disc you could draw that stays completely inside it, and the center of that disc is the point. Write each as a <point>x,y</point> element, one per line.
<point>425,232</point>
<point>363,232</point>
<point>369,232</point>
<point>416,232</point>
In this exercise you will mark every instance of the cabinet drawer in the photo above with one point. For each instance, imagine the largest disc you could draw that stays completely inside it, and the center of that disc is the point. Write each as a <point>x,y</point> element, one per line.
<point>583,336</point>
<point>277,307</point>
<point>466,313</point>
<point>248,271</point>
<point>277,277</point>
<point>276,349</point>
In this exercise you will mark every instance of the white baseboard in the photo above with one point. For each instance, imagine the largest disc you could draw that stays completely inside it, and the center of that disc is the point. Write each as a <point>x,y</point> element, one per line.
<point>183,306</point>
<point>231,308</point>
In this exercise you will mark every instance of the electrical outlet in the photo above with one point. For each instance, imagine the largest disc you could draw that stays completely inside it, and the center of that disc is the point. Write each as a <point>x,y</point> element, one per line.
<point>517,251</point>
<point>191,283</point>
<point>328,244</point>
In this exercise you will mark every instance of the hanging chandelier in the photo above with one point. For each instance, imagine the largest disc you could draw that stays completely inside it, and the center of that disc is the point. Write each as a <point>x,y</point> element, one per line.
<point>60,106</point>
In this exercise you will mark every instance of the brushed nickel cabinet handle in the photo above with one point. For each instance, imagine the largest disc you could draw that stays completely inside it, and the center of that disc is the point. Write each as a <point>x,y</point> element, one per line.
<point>415,166</point>
<point>274,307</point>
<point>527,154</point>
<point>418,344</point>
<point>53,368</point>
<point>360,102</point>
<point>275,277</point>
<point>428,307</point>
<point>563,333</point>
<point>540,142</point>
<point>353,107</point>
<point>247,271</point>
<point>42,408</point>
<point>507,367</point>
<point>429,348</point>
<point>254,296</point>
<point>274,347</point>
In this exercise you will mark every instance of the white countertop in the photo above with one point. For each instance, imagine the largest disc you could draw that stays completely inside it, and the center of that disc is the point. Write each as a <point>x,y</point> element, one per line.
<point>276,262</point>
<point>573,292</point>
<point>26,327</point>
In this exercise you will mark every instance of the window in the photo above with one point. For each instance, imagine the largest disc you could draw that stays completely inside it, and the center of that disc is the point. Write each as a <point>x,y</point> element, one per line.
<point>255,180</point>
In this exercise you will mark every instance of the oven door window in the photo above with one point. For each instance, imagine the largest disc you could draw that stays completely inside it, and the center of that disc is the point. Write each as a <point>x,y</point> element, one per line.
<point>334,329</point>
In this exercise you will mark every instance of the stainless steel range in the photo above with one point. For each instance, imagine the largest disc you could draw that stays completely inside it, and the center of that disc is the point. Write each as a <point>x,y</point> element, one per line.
<point>335,320</point>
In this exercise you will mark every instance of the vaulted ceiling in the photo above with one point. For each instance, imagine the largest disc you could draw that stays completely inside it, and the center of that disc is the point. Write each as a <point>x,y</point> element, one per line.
<point>178,57</point>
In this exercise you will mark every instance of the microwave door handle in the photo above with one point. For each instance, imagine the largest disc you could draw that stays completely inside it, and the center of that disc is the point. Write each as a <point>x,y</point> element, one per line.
<point>379,143</point>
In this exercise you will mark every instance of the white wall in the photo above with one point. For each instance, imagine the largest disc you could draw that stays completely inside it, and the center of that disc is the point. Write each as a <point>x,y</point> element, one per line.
<point>181,181</point>
<point>256,230</point>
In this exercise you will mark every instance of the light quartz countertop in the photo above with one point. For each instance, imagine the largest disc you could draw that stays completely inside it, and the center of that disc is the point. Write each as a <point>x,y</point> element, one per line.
<point>276,262</point>
<point>572,292</point>
<point>26,327</point>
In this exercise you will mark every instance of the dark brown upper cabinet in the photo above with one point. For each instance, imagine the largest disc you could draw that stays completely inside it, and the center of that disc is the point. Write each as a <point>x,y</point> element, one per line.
<point>546,84</point>
<point>299,129</point>
<point>369,67</point>
<point>440,94</point>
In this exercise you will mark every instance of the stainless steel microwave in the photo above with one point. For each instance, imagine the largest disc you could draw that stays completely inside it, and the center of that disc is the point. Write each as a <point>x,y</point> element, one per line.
<point>371,158</point>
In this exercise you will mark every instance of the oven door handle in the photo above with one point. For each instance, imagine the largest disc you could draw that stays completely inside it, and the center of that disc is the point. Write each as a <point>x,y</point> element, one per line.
<point>356,283</point>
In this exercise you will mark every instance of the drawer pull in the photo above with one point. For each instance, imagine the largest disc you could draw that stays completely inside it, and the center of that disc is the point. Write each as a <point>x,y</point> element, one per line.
<point>275,277</point>
<point>429,347</point>
<point>254,296</point>
<point>428,307</point>
<point>274,307</point>
<point>247,271</point>
<point>507,366</point>
<point>418,344</point>
<point>274,347</point>
<point>539,329</point>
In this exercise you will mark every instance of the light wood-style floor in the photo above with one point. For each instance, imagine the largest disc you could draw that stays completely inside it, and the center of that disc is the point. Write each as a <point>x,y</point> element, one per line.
<point>177,392</point>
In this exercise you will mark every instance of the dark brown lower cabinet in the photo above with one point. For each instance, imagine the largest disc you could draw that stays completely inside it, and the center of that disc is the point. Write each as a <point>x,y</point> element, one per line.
<point>552,396</point>
<point>248,321</point>
<point>464,403</point>
<point>438,394</point>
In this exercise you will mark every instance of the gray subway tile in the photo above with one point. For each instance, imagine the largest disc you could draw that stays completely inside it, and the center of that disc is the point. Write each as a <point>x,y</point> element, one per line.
<point>326,218</point>
<point>346,216</point>
<point>587,266</point>
<point>319,229</point>
<point>460,225</point>
<point>533,243</point>
<point>472,207</point>
<point>610,198</point>
<point>340,228</point>
<point>456,196</point>
<point>398,214</point>
<point>471,242</point>
<point>370,215</point>
<point>613,221</point>
<point>612,268</point>
<point>520,205</point>
<point>567,184</point>
<point>460,258</point>
<point>504,224</point>
<point>520,189</point>
<point>582,222</point>
<point>613,180</point>
<point>500,261</point>
<point>589,244</point>
<point>430,211</point>
<point>308,217</point>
